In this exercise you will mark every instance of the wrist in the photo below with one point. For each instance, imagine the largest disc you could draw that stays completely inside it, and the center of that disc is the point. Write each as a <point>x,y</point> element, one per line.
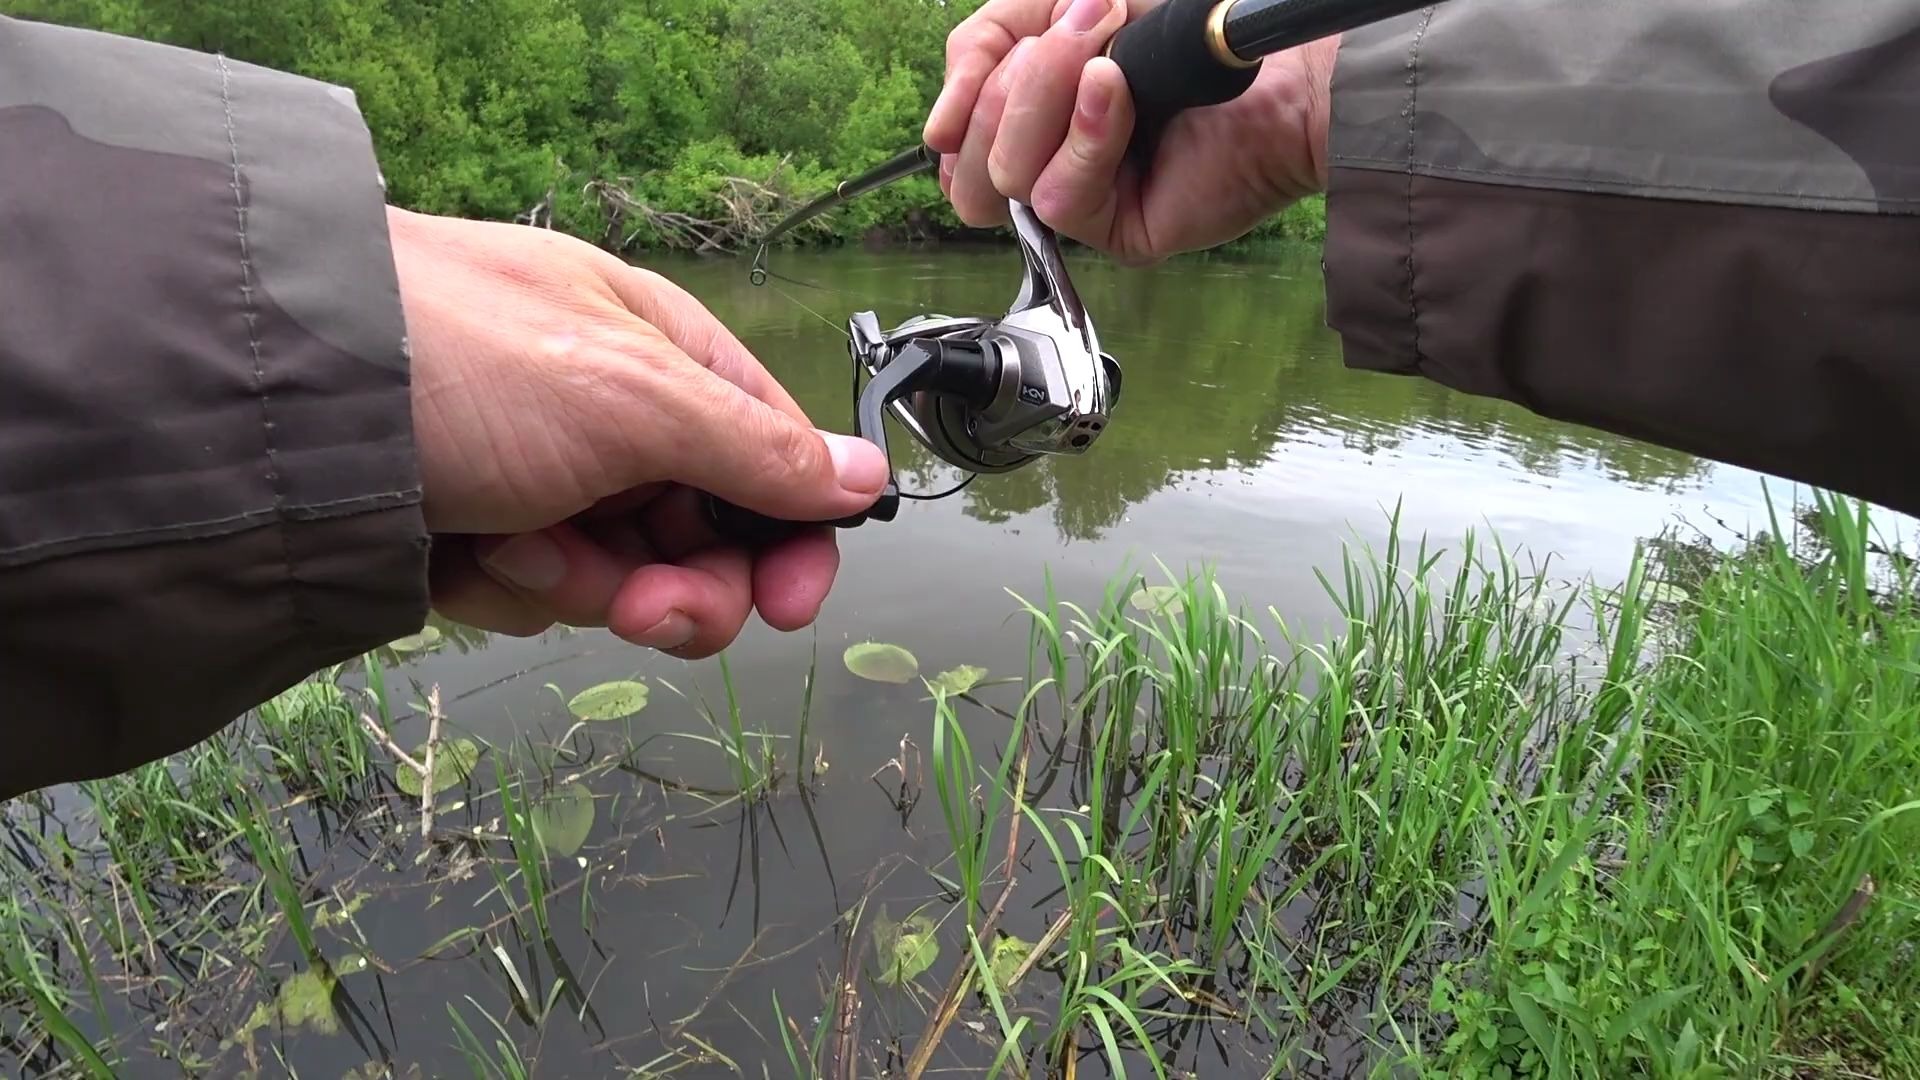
<point>1284,119</point>
<point>1317,61</point>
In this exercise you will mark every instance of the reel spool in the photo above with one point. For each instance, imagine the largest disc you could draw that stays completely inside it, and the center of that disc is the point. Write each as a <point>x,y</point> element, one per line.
<point>985,395</point>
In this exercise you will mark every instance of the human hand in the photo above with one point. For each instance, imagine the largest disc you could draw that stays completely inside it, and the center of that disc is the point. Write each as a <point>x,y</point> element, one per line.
<point>1031,111</point>
<point>569,409</point>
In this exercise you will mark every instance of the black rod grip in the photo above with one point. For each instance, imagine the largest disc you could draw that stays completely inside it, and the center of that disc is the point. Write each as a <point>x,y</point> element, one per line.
<point>734,523</point>
<point>1170,65</point>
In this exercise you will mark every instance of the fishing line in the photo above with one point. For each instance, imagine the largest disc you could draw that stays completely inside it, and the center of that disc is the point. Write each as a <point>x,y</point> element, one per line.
<point>761,274</point>
<point>834,326</point>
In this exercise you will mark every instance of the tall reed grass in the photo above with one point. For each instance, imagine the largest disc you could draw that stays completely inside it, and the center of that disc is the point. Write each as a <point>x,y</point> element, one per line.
<point>1487,827</point>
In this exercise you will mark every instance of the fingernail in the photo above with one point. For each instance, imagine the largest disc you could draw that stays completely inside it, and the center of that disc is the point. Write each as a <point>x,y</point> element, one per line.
<point>857,464</point>
<point>1014,59</point>
<point>669,633</point>
<point>1094,107</point>
<point>530,561</point>
<point>1084,15</point>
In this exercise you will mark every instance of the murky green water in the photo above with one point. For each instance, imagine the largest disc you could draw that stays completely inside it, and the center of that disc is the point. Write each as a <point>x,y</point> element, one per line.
<point>1241,442</point>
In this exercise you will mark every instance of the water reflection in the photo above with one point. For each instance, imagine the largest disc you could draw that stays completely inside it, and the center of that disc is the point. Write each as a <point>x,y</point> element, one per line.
<point>1228,368</point>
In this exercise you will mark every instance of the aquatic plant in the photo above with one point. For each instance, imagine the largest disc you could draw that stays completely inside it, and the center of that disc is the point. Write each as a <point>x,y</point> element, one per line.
<point>1482,823</point>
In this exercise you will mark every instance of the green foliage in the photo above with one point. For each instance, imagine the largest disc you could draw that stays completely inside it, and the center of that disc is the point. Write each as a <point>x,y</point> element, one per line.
<point>490,110</point>
<point>496,110</point>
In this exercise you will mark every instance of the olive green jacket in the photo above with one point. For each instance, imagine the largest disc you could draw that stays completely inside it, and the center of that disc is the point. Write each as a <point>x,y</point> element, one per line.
<point>1696,224</point>
<point>207,481</point>
<point>1689,223</point>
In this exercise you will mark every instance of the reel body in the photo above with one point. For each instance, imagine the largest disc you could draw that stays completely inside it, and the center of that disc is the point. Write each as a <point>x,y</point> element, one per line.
<point>983,394</point>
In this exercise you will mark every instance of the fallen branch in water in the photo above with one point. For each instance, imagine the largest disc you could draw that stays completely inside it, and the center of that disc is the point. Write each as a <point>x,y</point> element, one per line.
<point>423,768</point>
<point>385,742</point>
<point>748,209</point>
<point>426,771</point>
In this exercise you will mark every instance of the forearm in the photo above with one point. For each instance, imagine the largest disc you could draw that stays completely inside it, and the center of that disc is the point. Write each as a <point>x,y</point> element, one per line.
<point>207,481</point>
<point>1694,228</point>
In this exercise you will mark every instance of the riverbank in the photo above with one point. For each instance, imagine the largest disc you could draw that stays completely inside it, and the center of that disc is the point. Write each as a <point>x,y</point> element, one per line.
<point>1489,826</point>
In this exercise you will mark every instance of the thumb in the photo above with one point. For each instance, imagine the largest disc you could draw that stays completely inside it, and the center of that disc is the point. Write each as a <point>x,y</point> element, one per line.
<point>733,445</point>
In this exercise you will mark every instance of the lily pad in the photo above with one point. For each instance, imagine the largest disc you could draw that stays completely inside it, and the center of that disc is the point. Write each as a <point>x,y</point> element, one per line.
<point>1157,599</point>
<point>305,1001</point>
<point>428,638</point>
<point>1008,954</point>
<point>881,663</point>
<point>609,701</point>
<point>452,761</point>
<point>563,818</point>
<point>906,949</point>
<point>957,680</point>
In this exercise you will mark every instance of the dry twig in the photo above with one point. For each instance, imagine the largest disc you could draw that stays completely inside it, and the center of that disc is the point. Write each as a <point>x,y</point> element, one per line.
<point>426,771</point>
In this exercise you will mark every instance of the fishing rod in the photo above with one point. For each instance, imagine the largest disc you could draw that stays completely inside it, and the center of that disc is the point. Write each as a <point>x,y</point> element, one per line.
<point>991,394</point>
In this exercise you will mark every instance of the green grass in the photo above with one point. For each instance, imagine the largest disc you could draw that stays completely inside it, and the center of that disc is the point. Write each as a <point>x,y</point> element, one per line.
<point>1484,824</point>
<point>1498,846</point>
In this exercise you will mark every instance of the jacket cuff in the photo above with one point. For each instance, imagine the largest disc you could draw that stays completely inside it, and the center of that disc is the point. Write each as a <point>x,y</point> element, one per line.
<point>204,350</point>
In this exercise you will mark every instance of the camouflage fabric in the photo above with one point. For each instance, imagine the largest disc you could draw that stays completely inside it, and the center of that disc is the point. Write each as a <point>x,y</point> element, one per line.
<point>1696,224</point>
<point>207,482</point>
<point>1756,102</point>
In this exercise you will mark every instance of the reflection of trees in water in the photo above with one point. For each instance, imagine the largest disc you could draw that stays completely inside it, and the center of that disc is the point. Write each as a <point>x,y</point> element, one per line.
<point>1220,371</point>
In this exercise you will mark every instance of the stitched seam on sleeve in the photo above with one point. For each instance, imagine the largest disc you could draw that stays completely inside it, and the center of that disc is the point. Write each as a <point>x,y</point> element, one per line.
<point>251,311</point>
<point>1548,176</point>
<point>1413,113</point>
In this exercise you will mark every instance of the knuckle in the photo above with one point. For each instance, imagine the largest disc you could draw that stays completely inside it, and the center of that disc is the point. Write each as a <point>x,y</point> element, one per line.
<point>790,452</point>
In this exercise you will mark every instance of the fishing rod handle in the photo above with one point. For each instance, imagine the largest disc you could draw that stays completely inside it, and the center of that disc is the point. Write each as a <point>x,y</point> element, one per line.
<point>1187,54</point>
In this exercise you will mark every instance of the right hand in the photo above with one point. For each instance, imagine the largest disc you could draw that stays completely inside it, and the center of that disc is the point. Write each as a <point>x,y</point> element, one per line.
<point>1031,111</point>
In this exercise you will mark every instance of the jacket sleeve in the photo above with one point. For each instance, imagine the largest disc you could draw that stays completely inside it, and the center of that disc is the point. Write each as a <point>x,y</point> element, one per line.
<point>207,481</point>
<point>1694,225</point>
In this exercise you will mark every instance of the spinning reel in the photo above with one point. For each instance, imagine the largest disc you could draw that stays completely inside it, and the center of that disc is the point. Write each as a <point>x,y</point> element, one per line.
<point>983,394</point>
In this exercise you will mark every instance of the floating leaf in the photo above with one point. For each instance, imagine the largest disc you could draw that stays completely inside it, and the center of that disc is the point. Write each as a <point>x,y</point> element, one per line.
<point>1009,953</point>
<point>909,950</point>
<point>1157,599</point>
<point>1663,592</point>
<point>306,1000</point>
<point>958,680</point>
<point>563,818</point>
<point>428,638</point>
<point>452,761</point>
<point>881,663</point>
<point>609,700</point>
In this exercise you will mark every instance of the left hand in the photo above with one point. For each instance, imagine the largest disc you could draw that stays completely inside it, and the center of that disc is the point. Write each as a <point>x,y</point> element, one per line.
<point>569,409</point>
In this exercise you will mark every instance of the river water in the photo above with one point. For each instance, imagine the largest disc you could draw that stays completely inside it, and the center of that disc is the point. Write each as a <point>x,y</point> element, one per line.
<point>1241,443</point>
